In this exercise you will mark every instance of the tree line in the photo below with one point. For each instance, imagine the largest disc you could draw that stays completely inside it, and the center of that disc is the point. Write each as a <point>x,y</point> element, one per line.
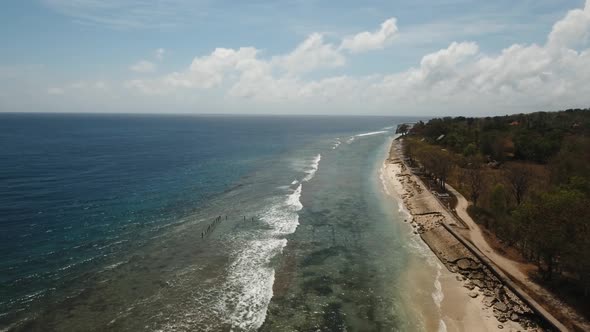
<point>528,177</point>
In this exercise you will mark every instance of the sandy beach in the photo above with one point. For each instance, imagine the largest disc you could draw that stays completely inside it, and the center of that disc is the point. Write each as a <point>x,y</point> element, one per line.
<point>471,297</point>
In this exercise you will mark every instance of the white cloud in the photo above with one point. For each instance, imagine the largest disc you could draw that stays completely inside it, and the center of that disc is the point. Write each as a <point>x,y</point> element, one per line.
<point>368,41</point>
<point>573,30</point>
<point>443,64</point>
<point>459,78</point>
<point>209,71</point>
<point>143,66</point>
<point>313,53</point>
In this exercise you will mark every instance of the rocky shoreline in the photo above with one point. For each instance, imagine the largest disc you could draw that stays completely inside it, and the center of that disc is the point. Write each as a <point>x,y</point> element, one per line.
<point>427,219</point>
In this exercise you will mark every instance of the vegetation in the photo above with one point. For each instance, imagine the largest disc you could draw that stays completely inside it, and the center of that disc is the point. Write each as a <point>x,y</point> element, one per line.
<point>528,176</point>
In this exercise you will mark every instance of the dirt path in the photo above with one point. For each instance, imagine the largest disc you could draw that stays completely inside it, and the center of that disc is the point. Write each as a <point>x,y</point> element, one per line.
<point>476,237</point>
<point>515,269</point>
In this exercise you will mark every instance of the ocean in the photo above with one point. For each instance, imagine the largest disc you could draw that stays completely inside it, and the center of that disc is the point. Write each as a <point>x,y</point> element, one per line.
<point>202,223</point>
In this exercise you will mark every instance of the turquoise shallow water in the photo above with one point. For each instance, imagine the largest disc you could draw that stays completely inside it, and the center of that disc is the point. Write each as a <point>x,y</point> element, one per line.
<point>342,268</point>
<point>109,223</point>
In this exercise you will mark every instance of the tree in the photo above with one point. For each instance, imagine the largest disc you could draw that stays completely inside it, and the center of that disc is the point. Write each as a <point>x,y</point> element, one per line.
<point>409,148</point>
<point>474,180</point>
<point>403,129</point>
<point>443,166</point>
<point>469,150</point>
<point>519,178</point>
<point>498,200</point>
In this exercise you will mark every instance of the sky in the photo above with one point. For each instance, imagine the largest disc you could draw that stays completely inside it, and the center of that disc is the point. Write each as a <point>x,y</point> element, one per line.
<point>374,57</point>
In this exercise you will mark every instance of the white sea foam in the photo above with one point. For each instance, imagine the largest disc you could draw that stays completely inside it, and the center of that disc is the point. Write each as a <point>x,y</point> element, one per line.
<point>437,294</point>
<point>397,187</point>
<point>293,199</point>
<point>251,277</point>
<point>336,144</point>
<point>115,265</point>
<point>248,289</point>
<point>352,138</point>
<point>416,244</point>
<point>383,180</point>
<point>251,280</point>
<point>313,168</point>
<point>372,133</point>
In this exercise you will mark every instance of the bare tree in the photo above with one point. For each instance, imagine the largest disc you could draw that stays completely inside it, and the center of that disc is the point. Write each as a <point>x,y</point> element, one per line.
<point>519,178</point>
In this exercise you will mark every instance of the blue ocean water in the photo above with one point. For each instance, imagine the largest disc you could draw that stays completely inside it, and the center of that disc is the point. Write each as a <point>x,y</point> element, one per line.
<point>104,218</point>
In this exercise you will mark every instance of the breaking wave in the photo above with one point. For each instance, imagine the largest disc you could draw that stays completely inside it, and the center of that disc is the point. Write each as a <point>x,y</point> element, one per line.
<point>312,169</point>
<point>251,275</point>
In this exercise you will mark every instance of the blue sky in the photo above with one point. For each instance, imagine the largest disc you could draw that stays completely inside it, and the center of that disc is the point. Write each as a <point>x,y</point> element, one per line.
<point>298,56</point>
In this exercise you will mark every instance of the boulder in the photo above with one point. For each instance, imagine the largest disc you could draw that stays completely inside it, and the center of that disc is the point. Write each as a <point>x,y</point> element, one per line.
<point>467,264</point>
<point>500,293</point>
<point>489,301</point>
<point>501,306</point>
<point>478,283</point>
<point>514,317</point>
<point>490,284</point>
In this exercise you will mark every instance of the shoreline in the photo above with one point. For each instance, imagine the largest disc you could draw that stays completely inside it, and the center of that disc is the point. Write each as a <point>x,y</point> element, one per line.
<point>473,298</point>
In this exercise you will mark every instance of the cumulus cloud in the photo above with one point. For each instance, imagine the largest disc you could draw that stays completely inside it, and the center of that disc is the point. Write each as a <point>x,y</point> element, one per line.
<point>368,41</point>
<point>443,64</point>
<point>143,66</point>
<point>459,78</point>
<point>209,71</point>
<point>573,30</point>
<point>311,54</point>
